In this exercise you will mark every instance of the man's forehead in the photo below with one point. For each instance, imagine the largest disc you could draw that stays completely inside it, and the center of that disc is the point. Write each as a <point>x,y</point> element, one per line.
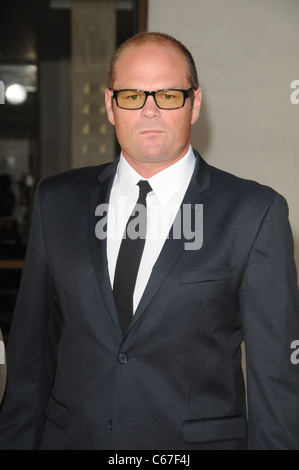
<point>152,59</point>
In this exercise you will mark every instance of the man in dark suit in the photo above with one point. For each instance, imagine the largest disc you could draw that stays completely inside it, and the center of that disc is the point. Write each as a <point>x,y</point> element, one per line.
<point>95,364</point>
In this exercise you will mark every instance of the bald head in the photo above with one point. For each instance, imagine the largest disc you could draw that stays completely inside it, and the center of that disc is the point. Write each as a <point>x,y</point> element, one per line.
<point>142,39</point>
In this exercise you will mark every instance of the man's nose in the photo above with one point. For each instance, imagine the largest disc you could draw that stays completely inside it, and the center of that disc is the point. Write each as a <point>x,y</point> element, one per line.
<point>150,109</point>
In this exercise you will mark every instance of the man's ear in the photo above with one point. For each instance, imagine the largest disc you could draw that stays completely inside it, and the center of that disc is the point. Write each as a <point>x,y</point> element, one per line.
<point>196,105</point>
<point>109,105</point>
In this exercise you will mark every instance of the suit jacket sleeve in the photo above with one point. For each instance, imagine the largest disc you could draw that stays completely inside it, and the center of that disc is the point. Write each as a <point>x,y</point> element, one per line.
<point>28,350</point>
<point>270,308</point>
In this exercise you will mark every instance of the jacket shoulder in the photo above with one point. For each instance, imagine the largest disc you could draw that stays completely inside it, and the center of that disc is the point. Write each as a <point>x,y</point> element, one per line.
<point>241,189</point>
<point>78,179</point>
<point>227,186</point>
<point>233,193</point>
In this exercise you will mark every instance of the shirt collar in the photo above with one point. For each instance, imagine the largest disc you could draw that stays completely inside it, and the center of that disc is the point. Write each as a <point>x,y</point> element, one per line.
<point>165,184</point>
<point>127,177</point>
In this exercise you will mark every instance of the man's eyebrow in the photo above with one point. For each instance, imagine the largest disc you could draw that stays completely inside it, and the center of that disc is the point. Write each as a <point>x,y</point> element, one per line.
<point>174,87</point>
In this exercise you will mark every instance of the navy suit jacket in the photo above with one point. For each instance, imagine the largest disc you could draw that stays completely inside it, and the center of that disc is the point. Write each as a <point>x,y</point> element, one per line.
<point>174,380</point>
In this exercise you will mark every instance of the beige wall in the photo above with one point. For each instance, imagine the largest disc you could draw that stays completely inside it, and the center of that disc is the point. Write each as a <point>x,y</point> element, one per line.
<point>247,57</point>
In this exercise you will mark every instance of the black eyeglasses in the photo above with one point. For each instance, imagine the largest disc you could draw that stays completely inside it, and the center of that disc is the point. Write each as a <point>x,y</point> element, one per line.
<point>164,99</point>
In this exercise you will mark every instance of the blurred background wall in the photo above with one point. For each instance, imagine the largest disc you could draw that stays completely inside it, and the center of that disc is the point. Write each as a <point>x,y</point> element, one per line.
<point>246,53</point>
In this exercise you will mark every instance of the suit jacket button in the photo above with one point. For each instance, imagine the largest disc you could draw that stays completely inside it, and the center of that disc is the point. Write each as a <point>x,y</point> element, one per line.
<point>122,358</point>
<point>109,424</point>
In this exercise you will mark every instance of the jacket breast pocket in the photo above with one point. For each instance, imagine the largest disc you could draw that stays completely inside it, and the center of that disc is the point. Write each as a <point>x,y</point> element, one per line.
<point>207,274</point>
<point>57,413</point>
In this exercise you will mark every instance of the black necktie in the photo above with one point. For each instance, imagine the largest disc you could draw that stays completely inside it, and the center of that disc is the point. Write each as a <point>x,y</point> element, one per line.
<point>128,260</point>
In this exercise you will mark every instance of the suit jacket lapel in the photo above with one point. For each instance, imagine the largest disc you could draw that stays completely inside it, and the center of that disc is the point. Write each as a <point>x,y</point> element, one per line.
<point>100,195</point>
<point>172,248</point>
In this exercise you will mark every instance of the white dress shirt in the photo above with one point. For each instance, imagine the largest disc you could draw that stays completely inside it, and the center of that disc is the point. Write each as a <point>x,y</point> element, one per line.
<point>169,187</point>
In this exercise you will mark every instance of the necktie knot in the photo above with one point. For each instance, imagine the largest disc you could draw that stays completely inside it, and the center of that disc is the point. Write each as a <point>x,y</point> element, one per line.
<point>144,189</point>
